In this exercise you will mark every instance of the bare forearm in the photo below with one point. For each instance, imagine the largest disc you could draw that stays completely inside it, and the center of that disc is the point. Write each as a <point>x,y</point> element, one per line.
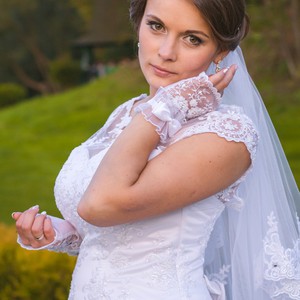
<point>128,156</point>
<point>110,189</point>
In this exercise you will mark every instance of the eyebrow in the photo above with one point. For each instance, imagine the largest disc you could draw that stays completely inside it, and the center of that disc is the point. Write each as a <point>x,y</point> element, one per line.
<point>187,32</point>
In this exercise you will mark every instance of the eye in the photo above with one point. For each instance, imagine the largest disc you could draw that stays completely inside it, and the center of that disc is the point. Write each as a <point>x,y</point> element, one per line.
<point>193,40</point>
<point>156,26</point>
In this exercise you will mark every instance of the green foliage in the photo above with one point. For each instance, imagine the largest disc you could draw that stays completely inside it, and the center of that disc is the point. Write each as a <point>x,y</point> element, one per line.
<point>27,275</point>
<point>84,7</point>
<point>275,39</point>
<point>115,53</point>
<point>11,93</point>
<point>65,72</point>
<point>32,33</point>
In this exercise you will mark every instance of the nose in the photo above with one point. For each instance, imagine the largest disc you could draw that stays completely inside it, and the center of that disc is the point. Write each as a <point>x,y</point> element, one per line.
<point>167,49</point>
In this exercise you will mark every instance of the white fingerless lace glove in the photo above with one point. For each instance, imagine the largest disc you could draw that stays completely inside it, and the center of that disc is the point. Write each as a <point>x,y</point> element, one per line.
<point>67,239</point>
<point>179,102</point>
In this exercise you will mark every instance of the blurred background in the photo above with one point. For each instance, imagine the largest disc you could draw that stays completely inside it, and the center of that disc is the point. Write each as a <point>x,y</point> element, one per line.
<point>65,65</point>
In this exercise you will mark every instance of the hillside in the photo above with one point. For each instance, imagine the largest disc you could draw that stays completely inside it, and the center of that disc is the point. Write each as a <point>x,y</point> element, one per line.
<point>37,136</point>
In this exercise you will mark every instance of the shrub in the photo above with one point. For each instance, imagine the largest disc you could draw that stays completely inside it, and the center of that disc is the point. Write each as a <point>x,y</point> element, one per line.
<point>27,275</point>
<point>65,72</point>
<point>11,93</point>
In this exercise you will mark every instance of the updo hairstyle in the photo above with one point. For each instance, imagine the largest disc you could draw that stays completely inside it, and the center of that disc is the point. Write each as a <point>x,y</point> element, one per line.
<point>227,19</point>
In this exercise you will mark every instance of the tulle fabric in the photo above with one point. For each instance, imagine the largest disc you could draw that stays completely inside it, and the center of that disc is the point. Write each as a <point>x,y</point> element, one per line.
<point>260,242</point>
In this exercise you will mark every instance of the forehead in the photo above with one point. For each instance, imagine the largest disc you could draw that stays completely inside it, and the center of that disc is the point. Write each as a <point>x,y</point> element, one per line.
<point>177,13</point>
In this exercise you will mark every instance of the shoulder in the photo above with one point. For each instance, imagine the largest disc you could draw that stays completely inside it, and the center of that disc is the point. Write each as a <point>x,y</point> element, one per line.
<point>120,115</point>
<point>228,122</point>
<point>124,107</point>
<point>231,123</point>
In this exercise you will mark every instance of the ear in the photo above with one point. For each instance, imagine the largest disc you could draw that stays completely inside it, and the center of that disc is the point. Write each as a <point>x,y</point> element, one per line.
<point>220,56</point>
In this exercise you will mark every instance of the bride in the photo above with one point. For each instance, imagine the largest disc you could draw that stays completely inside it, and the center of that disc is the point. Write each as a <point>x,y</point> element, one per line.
<point>184,193</point>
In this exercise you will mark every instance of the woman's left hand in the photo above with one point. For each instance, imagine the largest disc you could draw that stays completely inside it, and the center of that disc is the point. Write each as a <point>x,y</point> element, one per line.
<point>35,230</point>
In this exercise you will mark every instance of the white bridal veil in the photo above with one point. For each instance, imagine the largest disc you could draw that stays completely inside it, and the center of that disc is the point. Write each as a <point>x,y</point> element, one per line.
<point>256,241</point>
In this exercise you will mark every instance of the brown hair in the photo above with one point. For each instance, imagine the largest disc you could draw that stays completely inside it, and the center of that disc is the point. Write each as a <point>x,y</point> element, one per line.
<point>227,19</point>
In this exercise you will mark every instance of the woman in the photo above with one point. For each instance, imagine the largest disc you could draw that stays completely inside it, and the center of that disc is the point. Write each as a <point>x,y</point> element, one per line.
<point>175,197</point>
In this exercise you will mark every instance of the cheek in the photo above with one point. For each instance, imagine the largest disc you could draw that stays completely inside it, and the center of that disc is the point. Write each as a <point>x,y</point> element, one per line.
<point>144,36</point>
<point>144,49</point>
<point>194,69</point>
<point>194,65</point>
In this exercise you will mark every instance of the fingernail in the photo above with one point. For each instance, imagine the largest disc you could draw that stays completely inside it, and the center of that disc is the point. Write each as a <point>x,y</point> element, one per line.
<point>34,207</point>
<point>43,213</point>
<point>12,215</point>
<point>225,70</point>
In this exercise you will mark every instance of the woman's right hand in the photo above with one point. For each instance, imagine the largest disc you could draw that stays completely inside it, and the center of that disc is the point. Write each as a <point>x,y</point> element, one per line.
<point>35,230</point>
<point>190,98</point>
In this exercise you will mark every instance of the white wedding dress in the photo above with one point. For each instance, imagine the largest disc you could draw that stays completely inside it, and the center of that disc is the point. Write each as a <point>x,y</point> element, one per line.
<point>240,244</point>
<point>156,259</point>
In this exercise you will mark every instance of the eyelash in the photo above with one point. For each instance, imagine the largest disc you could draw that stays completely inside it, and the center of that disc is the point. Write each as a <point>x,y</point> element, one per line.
<point>153,26</point>
<point>197,40</point>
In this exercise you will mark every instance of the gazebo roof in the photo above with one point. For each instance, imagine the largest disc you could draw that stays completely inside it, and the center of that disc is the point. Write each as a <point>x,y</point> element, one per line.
<point>109,25</point>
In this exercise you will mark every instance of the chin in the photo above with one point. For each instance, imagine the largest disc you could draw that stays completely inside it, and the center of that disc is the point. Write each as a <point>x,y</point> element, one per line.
<point>156,83</point>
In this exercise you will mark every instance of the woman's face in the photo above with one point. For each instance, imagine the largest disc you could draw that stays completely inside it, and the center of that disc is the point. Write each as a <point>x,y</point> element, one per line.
<point>175,42</point>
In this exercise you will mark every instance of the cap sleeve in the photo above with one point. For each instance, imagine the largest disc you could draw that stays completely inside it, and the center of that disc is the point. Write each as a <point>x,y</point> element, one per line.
<point>230,123</point>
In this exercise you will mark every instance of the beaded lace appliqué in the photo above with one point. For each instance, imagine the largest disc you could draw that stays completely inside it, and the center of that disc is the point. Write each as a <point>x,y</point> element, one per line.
<point>282,272</point>
<point>69,245</point>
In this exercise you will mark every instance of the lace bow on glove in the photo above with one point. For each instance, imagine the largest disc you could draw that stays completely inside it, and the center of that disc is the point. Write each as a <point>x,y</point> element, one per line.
<point>179,102</point>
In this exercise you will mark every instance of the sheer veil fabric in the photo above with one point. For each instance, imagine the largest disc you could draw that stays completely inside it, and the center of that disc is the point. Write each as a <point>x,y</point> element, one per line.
<point>255,244</point>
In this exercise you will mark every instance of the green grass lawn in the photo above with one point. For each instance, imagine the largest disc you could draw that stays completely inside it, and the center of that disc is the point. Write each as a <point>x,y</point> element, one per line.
<point>37,136</point>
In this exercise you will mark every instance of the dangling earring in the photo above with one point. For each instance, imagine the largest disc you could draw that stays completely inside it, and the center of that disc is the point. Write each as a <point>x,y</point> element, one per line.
<point>218,67</point>
<point>138,44</point>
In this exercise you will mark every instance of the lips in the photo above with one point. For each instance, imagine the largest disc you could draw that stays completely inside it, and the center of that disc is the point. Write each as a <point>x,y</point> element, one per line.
<point>161,72</point>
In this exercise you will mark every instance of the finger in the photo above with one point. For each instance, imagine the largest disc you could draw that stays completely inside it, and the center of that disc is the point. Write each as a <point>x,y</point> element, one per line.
<point>37,228</point>
<point>218,77</point>
<point>19,230</point>
<point>43,231</point>
<point>19,222</point>
<point>25,222</point>
<point>49,230</point>
<point>16,215</point>
<point>226,78</point>
<point>222,79</point>
<point>48,234</point>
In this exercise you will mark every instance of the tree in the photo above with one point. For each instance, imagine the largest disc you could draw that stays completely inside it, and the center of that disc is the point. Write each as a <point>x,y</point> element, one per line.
<point>282,28</point>
<point>291,49</point>
<point>84,8</point>
<point>32,33</point>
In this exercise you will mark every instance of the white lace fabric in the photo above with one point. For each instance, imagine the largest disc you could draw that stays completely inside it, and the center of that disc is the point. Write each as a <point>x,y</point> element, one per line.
<point>282,273</point>
<point>174,105</point>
